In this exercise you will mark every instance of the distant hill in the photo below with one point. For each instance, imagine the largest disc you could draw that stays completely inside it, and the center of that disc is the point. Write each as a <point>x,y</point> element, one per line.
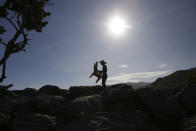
<point>176,79</point>
<point>137,85</point>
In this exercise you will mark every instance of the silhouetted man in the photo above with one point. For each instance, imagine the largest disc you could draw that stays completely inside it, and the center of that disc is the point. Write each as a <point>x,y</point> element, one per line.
<point>104,72</point>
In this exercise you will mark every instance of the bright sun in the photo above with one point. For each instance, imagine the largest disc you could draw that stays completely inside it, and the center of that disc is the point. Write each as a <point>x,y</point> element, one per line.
<point>117,25</point>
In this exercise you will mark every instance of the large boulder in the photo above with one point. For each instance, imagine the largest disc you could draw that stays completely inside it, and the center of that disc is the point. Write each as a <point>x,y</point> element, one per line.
<point>6,93</point>
<point>17,101</point>
<point>52,90</point>
<point>100,122</point>
<point>14,105</point>
<point>187,97</point>
<point>4,122</point>
<point>97,122</point>
<point>161,104</point>
<point>74,125</point>
<point>33,122</point>
<point>86,105</point>
<point>104,121</point>
<point>119,97</point>
<point>189,124</point>
<point>119,121</point>
<point>26,92</point>
<point>78,91</point>
<point>23,105</point>
<point>51,105</point>
<point>129,121</point>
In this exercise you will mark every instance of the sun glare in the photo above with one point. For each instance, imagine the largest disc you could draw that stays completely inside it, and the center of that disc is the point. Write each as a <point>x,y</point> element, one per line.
<point>117,25</point>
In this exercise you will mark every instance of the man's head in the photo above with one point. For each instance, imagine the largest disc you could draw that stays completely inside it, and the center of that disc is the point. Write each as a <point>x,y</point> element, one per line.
<point>102,62</point>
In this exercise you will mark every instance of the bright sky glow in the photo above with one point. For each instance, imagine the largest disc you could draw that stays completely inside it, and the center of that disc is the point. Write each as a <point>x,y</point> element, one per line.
<point>117,25</point>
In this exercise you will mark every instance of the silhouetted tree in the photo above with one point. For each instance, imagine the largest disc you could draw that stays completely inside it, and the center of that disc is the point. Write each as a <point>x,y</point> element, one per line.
<point>24,16</point>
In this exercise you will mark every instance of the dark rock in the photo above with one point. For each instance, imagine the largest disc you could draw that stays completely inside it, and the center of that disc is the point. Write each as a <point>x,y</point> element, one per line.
<point>163,107</point>
<point>25,92</point>
<point>75,125</point>
<point>118,93</point>
<point>6,103</point>
<point>23,104</point>
<point>103,121</point>
<point>189,124</point>
<point>5,87</point>
<point>52,90</point>
<point>86,105</point>
<point>128,121</point>
<point>161,104</point>
<point>187,97</point>
<point>4,122</point>
<point>6,93</point>
<point>33,122</point>
<point>119,121</point>
<point>119,97</point>
<point>100,123</point>
<point>78,91</point>
<point>51,105</point>
<point>97,122</point>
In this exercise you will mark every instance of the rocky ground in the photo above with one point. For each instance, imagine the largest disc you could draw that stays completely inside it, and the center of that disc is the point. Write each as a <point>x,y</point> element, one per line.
<point>92,108</point>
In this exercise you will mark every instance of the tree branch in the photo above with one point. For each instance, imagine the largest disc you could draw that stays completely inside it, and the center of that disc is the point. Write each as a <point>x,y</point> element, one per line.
<point>5,87</point>
<point>9,47</point>
<point>18,21</point>
<point>21,47</point>
<point>11,22</point>
<point>3,43</point>
<point>13,16</point>
<point>3,72</point>
<point>19,43</point>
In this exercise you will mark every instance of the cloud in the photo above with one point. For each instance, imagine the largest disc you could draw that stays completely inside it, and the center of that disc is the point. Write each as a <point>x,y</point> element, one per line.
<point>123,66</point>
<point>163,66</point>
<point>133,77</point>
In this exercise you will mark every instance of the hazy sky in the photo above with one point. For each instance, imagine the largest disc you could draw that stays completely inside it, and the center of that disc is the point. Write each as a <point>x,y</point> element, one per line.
<point>162,40</point>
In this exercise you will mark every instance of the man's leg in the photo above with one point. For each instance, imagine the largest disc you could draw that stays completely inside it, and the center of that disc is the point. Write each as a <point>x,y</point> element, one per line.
<point>104,78</point>
<point>98,79</point>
